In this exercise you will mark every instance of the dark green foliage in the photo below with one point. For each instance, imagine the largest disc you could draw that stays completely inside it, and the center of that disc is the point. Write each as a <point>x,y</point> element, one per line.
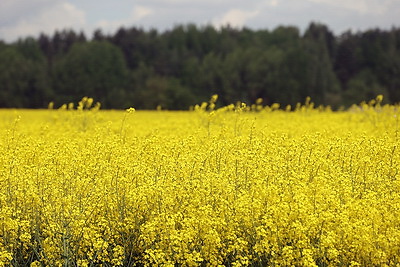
<point>23,79</point>
<point>96,69</point>
<point>186,65</point>
<point>363,86</point>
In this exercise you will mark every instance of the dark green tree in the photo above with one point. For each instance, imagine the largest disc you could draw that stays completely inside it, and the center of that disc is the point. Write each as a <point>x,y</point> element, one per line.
<point>362,87</point>
<point>23,77</point>
<point>186,64</point>
<point>95,69</point>
<point>323,86</point>
<point>381,55</point>
<point>348,60</point>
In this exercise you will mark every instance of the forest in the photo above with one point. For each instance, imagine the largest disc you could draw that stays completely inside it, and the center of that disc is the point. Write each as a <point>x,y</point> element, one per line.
<point>178,68</point>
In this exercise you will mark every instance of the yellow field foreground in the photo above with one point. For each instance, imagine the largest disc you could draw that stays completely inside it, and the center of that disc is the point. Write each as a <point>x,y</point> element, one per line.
<point>234,186</point>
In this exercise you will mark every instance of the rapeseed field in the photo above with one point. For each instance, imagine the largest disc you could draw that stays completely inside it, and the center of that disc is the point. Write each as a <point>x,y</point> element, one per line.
<point>234,186</point>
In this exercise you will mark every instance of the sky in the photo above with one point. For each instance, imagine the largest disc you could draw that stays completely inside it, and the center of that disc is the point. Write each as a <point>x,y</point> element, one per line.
<point>22,18</point>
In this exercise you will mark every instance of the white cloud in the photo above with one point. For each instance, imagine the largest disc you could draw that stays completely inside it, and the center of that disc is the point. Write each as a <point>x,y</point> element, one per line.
<point>359,6</point>
<point>235,18</point>
<point>138,13</point>
<point>10,10</point>
<point>49,18</point>
<point>273,3</point>
<point>194,2</point>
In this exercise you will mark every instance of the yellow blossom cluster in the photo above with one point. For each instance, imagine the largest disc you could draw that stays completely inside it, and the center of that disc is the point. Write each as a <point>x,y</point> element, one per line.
<point>233,186</point>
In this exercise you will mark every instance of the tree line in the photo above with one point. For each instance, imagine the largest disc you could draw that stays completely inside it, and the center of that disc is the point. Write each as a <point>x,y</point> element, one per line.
<point>183,66</point>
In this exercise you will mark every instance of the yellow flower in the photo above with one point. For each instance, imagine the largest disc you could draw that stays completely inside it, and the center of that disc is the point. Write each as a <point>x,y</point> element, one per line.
<point>130,110</point>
